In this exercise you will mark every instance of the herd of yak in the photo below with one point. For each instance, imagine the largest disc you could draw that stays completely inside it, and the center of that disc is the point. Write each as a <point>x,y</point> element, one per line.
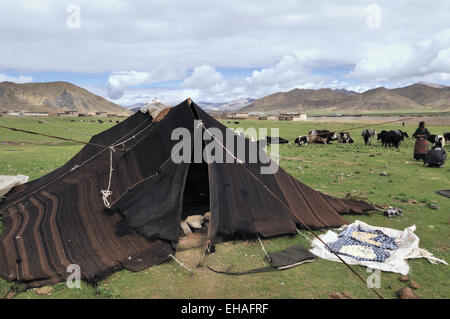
<point>391,138</point>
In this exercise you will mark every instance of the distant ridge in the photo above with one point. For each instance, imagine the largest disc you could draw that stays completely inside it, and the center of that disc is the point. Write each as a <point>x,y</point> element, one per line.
<point>227,106</point>
<point>54,97</point>
<point>416,97</point>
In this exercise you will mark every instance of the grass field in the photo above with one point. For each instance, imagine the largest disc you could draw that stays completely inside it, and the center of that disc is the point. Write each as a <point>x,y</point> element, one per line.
<point>337,169</point>
<point>406,112</point>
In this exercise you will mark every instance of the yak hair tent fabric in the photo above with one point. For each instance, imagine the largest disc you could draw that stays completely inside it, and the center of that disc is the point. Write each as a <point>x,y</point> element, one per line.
<point>61,218</point>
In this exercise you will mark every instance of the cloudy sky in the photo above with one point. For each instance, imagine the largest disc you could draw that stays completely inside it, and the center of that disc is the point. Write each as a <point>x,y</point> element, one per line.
<point>214,51</point>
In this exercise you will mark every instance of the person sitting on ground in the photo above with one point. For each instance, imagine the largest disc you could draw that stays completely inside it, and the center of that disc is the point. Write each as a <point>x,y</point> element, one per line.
<point>421,146</point>
<point>436,156</point>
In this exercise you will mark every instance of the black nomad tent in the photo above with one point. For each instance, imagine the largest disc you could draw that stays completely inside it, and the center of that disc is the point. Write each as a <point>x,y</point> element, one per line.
<point>61,218</point>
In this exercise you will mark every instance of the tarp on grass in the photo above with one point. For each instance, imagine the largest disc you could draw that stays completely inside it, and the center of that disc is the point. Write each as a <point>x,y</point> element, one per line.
<point>408,248</point>
<point>7,182</point>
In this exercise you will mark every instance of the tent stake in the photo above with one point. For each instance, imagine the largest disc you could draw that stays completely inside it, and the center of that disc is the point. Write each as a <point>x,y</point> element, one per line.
<point>207,248</point>
<point>180,263</point>
<point>298,232</point>
<point>264,250</point>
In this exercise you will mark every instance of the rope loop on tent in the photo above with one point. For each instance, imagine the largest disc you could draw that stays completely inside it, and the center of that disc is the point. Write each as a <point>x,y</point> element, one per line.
<point>200,124</point>
<point>105,195</point>
<point>107,192</point>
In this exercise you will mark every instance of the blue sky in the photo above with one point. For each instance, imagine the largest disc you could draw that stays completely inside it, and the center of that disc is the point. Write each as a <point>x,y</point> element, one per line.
<point>214,51</point>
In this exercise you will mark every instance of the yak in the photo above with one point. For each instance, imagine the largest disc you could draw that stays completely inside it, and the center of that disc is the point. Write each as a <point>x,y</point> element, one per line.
<point>391,138</point>
<point>344,137</point>
<point>367,136</point>
<point>322,136</point>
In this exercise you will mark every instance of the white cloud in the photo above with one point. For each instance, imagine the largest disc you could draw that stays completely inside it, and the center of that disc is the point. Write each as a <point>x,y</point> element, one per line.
<point>18,79</point>
<point>284,41</point>
<point>118,81</point>
<point>405,60</point>
<point>207,78</point>
<point>442,61</point>
<point>290,72</point>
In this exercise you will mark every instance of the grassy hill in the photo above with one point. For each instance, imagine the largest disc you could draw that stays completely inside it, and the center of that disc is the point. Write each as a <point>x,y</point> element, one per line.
<point>414,98</point>
<point>54,97</point>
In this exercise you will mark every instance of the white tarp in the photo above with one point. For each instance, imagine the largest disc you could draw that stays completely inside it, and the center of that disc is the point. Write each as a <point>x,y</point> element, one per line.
<point>408,247</point>
<point>9,181</point>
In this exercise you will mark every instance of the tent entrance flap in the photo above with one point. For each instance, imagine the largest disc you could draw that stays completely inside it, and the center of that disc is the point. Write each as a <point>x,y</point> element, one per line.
<point>196,191</point>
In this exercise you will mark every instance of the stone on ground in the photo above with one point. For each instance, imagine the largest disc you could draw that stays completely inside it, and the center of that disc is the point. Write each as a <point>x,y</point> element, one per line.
<point>346,294</point>
<point>406,293</point>
<point>404,278</point>
<point>336,295</point>
<point>46,290</point>
<point>413,284</point>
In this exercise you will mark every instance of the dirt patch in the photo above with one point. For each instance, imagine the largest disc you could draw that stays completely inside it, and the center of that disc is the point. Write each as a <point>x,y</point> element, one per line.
<point>194,240</point>
<point>295,158</point>
<point>11,143</point>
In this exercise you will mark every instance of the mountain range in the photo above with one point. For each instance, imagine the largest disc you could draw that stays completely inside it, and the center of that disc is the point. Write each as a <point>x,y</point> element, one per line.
<point>227,106</point>
<point>417,97</point>
<point>54,97</point>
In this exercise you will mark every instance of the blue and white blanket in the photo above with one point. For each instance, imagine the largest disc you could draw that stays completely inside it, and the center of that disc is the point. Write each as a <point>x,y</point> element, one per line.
<point>406,240</point>
<point>363,244</point>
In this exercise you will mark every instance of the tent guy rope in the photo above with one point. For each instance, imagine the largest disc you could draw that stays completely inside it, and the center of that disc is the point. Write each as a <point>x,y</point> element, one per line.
<point>290,210</point>
<point>78,166</point>
<point>55,137</point>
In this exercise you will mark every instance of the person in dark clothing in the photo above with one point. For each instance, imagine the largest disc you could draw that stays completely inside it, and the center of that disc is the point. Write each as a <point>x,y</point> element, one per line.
<point>436,156</point>
<point>421,146</point>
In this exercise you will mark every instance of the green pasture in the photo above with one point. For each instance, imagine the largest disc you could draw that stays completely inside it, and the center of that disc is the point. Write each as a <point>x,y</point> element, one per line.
<point>337,169</point>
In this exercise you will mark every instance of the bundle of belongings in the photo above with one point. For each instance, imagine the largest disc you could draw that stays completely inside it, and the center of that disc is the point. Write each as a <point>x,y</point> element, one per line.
<point>374,247</point>
<point>392,212</point>
<point>280,260</point>
<point>436,156</point>
<point>9,181</point>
